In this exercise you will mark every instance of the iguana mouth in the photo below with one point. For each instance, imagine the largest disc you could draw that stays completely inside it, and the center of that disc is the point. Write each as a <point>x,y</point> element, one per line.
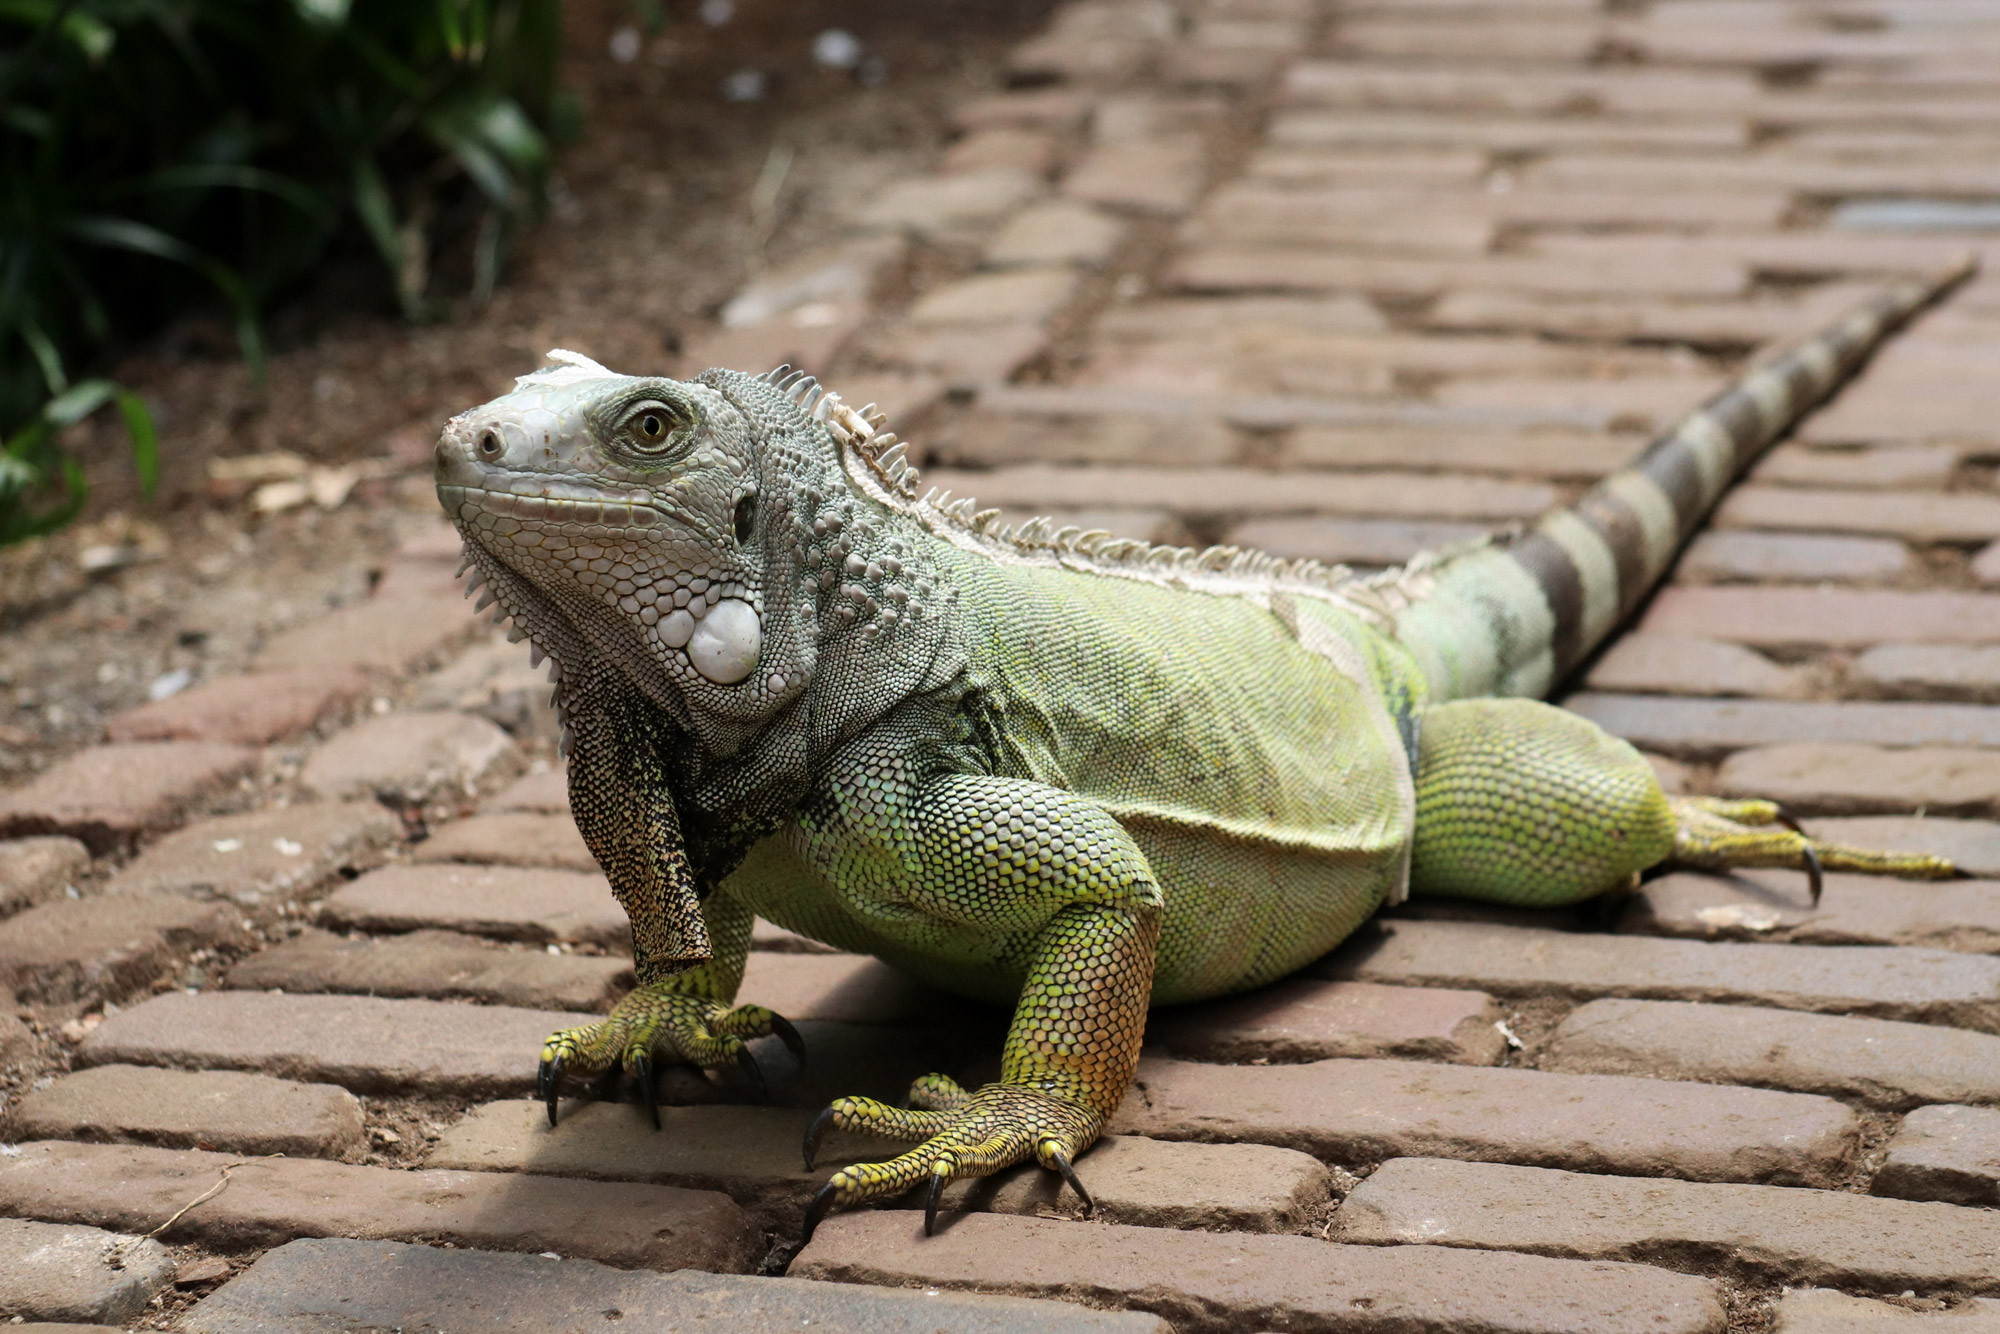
<point>602,510</point>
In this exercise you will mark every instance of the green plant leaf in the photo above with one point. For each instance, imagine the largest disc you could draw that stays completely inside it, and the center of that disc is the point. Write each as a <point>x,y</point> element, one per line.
<point>144,438</point>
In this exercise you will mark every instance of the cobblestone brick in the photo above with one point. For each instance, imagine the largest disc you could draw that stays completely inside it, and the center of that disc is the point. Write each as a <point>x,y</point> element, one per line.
<point>1888,982</point>
<point>68,949</point>
<point>962,358</point>
<point>362,1043</point>
<point>1060,231</point>
<point>1825,1311</point>
<point>1709,726</point>
<point>546,791</point>
<point>512,838</point>
<point>1872,1061</point>
<point>1363,1111</point>
<point>990,439</point>
<point>1972,845</point>
<point>246,709</point>
<point>272,1200</point>
<point>1060,110</point>
<point>1836,779</point>
<point>77,1274</point>
<point>440,965</point>
<point>271,852</point>
<point>1642,402</point>
<point>1306,1020</point>
<point>1610,315</point>
<point>385,636</point>
<point>1776,556</point>
<point>1944,1153</point>
<point>504,902</point>
<point>1220,269</point>
<point>33,870</point>
<point>1793,1236</point>
<point>410,757</point>
<point>109,795</point>
<point>1209,1283</point>
<point>1687,665</point>
<point>1916,516</point>
<point>1890,467</point>
<point>1377,542</point>
<point>180,1109</point>
<point>1160,176</point>
<point>939,205</point>
<point>309,1287</point>
<point>843,988</point>
<point>1856,910</point>
<point>1929,669</point>
<point>1002,147</point>
<point>496,681</point>
<point>1012,296</point>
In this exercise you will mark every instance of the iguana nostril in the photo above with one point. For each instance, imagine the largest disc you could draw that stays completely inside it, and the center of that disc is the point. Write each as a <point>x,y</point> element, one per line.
<point>489,445</point>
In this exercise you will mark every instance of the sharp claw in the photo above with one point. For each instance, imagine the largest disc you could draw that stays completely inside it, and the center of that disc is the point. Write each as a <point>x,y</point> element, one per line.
<point>822,1204</point>
<point>642,1070</point>
<point>1814,878</point>
<point>939,1180</point>
<point>752,1071</point>
<point>788,1035</point>
<point>1069,1175</point>
<point>546,1080</point>
<point>815,1133</point>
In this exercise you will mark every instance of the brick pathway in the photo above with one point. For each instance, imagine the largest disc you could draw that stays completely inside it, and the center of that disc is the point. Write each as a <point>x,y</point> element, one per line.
<point>1339,280</point>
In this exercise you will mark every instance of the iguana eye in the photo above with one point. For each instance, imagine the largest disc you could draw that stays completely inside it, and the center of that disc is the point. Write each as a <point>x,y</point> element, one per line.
<point>650,426</point>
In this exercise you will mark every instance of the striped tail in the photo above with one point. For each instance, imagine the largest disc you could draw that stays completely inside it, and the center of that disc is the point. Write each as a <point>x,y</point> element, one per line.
<point>1512,617</point>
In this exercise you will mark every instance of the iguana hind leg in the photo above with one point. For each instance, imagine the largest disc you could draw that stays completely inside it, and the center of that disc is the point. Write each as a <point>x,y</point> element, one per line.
<point>1520,802</point>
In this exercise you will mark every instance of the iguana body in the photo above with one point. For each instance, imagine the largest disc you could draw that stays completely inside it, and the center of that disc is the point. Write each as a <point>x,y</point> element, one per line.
<point>1072,772</point>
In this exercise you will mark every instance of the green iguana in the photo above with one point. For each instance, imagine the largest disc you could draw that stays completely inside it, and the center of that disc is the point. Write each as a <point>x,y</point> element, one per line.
<point>1074,772</point>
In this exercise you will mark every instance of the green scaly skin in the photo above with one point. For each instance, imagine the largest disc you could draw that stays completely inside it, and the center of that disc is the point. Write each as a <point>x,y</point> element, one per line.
<point>1071,772</point>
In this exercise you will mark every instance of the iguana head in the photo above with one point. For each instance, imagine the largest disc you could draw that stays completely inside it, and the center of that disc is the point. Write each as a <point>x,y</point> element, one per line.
<point>649,524</point>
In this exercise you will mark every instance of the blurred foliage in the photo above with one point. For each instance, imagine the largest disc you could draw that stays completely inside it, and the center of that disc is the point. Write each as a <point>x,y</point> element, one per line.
<point>162,157</point>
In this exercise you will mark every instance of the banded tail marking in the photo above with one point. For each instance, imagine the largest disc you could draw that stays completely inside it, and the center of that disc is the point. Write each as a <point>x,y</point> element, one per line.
<point>1513,617</point>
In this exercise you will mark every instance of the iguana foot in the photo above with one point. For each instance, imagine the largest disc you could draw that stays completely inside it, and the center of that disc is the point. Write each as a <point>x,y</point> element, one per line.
<point>653,1023</point>
<point>1728,835</point>
<point>964,1135</point>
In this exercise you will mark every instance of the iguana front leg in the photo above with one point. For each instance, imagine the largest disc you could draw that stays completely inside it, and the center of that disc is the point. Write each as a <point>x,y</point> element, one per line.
<point>1007,860</point>
<point>688,954</point>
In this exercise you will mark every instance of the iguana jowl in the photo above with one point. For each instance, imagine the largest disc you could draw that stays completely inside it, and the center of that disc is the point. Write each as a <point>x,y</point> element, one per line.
<point>1073,772</point>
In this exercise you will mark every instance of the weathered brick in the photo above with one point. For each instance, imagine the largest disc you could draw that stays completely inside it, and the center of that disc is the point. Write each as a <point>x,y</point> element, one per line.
<point>1500,133</point>
<point>512,838</point>
<point>1875,1062</point>
<point>504,902</point>
<point>963,358</point>
<point>109,795</point>
<point>1307,1020</point>
<point>1007,148</point>
<point>545,790</point>
<point>49,1272</point>
<point>752,1154</point>
<point>1761,557</point>
<point>245,710</point>
<point>1856,910</point>
<point>72,948</point>
<point>388,636</point>
<point>1236,490</point>
<point>1546,453</point>
<point>1568,41</point>
<point>362,1043</point>
<point>842,988</point>
<point>309,1287</point>
<point>1548,90</point>
<point>1632,402</point>
<point>1757,171</point>
<point>1350,541</point>
<point>1210,1282</point>
<point>1916,516</point>
<point>272,1200</point>
<point>1709,726</point>
<point>1056,109</point>
<point>1922,985</point>
<point>180,1109</point>
<point>1944,1153</point>
<point>1229,269</point>
<point>987,439</point>
<point>1825,1311</point>
<point>1361,1111</point>
<point>1688,665</point>
<point>1746,322</point>
<point>33,870</point>
<point>1812,777</point>
<point>495,680</point>
<point>441,965</point>
<point>1158,176</point>
<point>1929,669</point>
<point>1009,297</point>
<point>410,757</point>
<point>1793,1236</point>
<point>935,205</point>
<point>1059,231</point>
<point>1890,467</point>
<point>270,852</point>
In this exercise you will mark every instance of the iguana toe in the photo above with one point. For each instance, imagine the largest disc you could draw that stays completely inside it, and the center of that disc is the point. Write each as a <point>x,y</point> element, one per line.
<point>981,1133</point>
<point>1723,835</point>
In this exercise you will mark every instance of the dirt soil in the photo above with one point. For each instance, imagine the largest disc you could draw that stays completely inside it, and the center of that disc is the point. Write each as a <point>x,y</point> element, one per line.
<point>650,230</point>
